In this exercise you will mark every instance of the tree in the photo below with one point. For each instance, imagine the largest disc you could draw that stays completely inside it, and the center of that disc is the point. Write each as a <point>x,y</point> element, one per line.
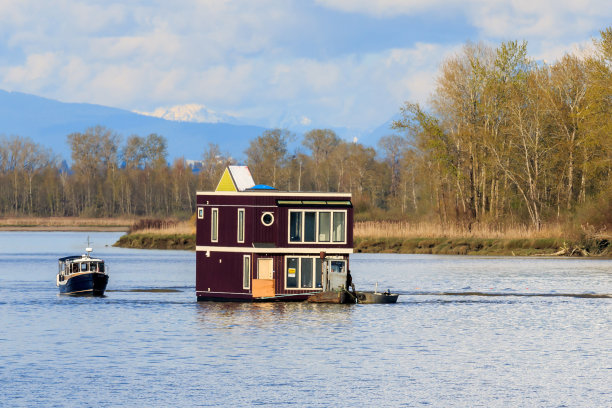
<point>393,147</point>
<point>267,156</point>
<point>22,160</point>
<point>322,143</point>
<point>213,164</point>
<point>94,155</point>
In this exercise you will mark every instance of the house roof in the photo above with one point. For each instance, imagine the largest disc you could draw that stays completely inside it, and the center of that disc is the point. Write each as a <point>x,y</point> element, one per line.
<point>236,178</point>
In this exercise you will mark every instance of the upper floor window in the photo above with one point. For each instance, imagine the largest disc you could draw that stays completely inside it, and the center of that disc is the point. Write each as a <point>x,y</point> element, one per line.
<point>241,225</point>
<point>317,226</point>
<point>214,224</point>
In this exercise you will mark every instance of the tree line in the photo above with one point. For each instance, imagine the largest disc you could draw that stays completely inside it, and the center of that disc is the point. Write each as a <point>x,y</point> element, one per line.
<point>506,139</point>
<point>509,138</point>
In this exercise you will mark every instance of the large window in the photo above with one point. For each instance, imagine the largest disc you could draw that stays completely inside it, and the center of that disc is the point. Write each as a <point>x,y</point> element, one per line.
<point>303,272</point>
<point>214,225</point>
<point>295,226</point>
<point>317,226</point>
<point>338,231</point>
<point>246,271</point>
<point>241,225</point>
<point>324,226</point>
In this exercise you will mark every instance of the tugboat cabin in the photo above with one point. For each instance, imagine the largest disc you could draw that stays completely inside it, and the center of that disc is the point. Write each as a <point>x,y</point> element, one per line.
<point>70,265</point>
<point>255,243</point>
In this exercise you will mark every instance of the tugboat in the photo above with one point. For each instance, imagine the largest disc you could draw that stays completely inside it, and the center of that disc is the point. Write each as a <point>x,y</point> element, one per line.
<point>82,275</point>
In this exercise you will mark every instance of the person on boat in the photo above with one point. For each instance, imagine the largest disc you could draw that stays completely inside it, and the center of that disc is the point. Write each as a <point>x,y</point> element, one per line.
<point>349,282</point>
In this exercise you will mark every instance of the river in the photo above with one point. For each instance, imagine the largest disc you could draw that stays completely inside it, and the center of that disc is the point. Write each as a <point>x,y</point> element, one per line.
<point>466,332</point>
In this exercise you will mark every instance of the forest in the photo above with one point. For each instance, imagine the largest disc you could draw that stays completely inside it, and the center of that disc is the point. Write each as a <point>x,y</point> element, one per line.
<point>505,140</point>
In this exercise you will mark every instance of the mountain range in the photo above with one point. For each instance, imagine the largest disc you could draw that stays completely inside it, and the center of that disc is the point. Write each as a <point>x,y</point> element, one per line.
<point>48,122</point>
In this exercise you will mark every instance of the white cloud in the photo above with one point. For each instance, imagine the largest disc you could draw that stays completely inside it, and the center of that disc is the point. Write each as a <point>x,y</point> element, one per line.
<point>35,72</point>
<point>252,58</point>
<point>384,8</point>
<point>550,51</point>
<point>501,19</point>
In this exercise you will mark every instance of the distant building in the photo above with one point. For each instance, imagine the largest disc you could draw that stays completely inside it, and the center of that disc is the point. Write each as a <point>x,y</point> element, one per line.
<point>254,242</point>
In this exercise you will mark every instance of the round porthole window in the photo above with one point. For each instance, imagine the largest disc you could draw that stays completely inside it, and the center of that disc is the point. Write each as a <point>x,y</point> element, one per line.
<point>267,219</point>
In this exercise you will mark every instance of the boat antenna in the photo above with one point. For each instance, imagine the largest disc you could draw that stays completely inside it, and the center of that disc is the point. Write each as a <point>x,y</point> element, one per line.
<point>89,249</point>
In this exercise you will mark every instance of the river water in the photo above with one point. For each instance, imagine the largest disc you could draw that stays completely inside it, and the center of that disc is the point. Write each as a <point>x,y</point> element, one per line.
<point>466,332</point>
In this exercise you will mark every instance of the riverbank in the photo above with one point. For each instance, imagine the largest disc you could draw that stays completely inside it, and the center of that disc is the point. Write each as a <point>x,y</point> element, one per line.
<point>440,246</point>
<point>157,241</point>
<point>483,246</point>
<point>369,237</point>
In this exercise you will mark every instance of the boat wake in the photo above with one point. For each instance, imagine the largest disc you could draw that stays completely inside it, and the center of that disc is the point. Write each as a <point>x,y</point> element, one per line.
<point>147,290</point>
<point>506,294</point>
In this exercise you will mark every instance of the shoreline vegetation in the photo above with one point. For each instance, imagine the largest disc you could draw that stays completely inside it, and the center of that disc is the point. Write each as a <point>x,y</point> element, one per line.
<point>369,236</point>
<point>408,238</point>
<point>427,238</point>
<point>65,224</point>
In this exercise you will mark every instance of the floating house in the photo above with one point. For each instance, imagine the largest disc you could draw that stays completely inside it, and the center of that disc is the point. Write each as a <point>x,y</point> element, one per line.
<point>255,243</point>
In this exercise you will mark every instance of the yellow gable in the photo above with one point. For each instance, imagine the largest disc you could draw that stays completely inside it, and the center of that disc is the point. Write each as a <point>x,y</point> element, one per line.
<point>226,183</point>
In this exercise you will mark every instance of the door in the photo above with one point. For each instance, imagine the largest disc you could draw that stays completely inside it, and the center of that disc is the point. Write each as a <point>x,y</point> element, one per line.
<point>264,285</point>
<point>264,268</point>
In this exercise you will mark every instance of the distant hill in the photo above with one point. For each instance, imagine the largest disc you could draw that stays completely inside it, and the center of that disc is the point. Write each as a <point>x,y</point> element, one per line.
<point>48,122</point>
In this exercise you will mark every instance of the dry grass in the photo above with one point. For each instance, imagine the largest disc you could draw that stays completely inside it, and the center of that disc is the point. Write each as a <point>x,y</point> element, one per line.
<point>178,228</point>
<point>64,222</point>
<point>390,229</point>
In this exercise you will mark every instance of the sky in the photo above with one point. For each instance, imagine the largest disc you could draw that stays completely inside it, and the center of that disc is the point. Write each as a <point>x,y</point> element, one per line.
<point>273,63</point>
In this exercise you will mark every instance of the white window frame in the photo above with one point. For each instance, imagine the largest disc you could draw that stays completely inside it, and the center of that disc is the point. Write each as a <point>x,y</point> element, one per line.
<point>200,213</point>
<point>245,259</point>
<point>239,229</point>
<point>331,237</point>
<point>214,225</point>
<point>331,227</point>
<point>271,215</point>
<point>298,272</point>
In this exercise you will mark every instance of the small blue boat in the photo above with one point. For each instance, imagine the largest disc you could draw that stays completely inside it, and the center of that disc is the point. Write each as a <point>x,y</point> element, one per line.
<point>82,275</point>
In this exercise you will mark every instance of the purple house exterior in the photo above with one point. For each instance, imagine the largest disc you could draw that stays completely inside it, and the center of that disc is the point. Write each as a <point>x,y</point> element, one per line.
<point>254,243</point>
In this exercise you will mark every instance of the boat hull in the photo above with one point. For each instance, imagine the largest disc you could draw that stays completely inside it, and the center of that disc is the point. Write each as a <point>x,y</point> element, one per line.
<point>373,297</point>
<point>332,296</point>
<point>86,284</point>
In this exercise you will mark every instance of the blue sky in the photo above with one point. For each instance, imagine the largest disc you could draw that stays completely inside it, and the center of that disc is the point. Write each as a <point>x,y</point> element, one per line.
<point>325,63</point>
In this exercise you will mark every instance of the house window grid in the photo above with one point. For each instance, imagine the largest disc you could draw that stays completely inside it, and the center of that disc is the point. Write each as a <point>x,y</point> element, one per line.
<point>214,225</point>
<point>241,219</point>
<point>298,273</point>
<point>316,222</point>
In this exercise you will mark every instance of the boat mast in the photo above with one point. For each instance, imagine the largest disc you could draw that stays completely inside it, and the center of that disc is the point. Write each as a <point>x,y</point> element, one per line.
<point>89,249</point>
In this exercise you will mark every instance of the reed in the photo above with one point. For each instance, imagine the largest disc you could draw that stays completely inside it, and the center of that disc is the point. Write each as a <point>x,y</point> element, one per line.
<point>167,228</point>
<point>394,229</point>
<point>65,222</point>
